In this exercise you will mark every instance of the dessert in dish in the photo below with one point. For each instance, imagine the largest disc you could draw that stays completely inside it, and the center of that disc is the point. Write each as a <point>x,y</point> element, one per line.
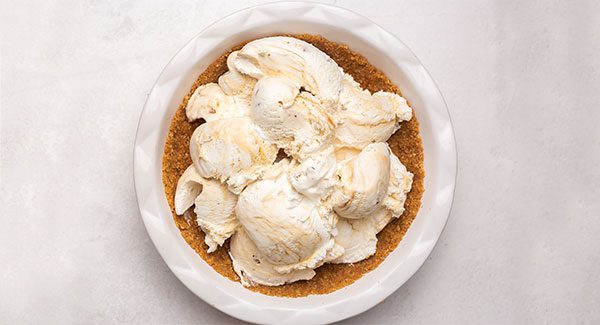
<point>291,167</point>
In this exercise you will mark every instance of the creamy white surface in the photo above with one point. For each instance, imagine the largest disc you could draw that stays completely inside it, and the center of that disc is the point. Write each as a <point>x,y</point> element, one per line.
<point>300,62</point>
<point>315,177</point>
<point>357,238</point>
<point>233,82</point>
<point>524,119</point>
<point>224,148</point>
<point>211,103</point>
<point>189,186</point>
<point>214,206</point>
<point>366,118</point>
<point>400,185</point>
<point>292,231</point>
<point>295,121</point>
<point>255,268</point>
<point>365,179</point>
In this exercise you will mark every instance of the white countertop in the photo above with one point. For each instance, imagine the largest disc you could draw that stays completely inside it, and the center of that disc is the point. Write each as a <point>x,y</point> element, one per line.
<point>521,80</point>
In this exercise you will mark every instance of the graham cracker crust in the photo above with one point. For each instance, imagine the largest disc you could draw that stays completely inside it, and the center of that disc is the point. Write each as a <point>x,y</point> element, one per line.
<point>405,143</point>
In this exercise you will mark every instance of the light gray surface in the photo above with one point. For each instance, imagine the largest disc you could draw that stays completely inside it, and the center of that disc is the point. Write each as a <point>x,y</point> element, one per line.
<point>522,84</point>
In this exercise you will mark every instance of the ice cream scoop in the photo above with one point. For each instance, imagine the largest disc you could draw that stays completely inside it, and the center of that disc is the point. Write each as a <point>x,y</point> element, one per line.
<point>400,184</point>
<point>357,237</point>
<point>363,118</point>
<point>188,188</point>
<point>231,97</point>
<point>271,100</point>
<point>222,148</point>
<point>295,121</point>
<point>291,230</point>
<point>298,61</point>
<point>365,179</point>
<point>253,268</point>
<point>211,103</point>
<point>315,176</point>
<point>214,206</point>
<point>235,83</point>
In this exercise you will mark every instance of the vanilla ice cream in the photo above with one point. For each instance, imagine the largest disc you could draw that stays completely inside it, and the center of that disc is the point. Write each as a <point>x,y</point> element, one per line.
<point>357,237</point>
<point>315,176</point>
<point>188,188</point>
<point>235,83</point>
<point>300,62</point>
<point>214,206</point>
<point>211,103</point>
<point>365,180</point>
<point>291,230</point>
<point>335,185</point>
<point>254,268</point>
<point>363,118</point>
<point>225,147</point>
<point>400,184</point>
<point>231,97</point>
<point>294,121</point>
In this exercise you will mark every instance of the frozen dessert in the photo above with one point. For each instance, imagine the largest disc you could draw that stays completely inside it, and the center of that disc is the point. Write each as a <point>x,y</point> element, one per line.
<point>364,118</point>
<point>293,231</point>
<point>291,162</point>
<point>254,268</point>
<point>315,177</point>
<point>299,62</point>
<point>364,180</point>
<point>213,204</point>
<point>226,148</point>
<point>293,120</point>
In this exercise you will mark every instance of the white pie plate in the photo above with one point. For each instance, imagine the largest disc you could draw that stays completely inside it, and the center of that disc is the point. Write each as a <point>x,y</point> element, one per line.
<point>384,51</point>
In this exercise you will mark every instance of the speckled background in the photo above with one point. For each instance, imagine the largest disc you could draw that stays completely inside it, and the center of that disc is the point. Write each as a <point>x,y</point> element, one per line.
<point>521,81</point>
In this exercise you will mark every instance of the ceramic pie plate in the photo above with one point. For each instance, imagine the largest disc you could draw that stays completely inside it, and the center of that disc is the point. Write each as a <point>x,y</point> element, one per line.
<point>385,52</point>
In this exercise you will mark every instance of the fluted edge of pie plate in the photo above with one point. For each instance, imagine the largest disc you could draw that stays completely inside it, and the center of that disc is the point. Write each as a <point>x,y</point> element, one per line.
<point>384,51</point>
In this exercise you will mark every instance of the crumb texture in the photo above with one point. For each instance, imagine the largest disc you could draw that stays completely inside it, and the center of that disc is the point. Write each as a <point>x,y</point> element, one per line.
<point>405,143</point>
